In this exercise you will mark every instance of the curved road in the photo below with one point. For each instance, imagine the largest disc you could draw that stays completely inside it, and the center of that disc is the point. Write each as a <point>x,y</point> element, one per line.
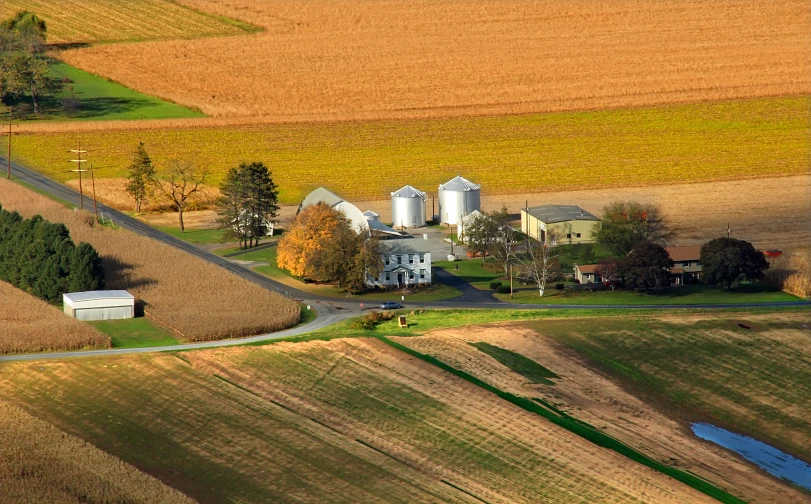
<point>329,310</point>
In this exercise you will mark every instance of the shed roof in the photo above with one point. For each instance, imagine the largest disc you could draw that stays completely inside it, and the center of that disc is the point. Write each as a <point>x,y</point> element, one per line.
<point>459,184</point>
<point>376,225</point>
<point>560,213</point>
<point>587,268</point>
<point>408,192</point>
<point>370,214</point>
<point>684,252</point>
<point>94,295</point>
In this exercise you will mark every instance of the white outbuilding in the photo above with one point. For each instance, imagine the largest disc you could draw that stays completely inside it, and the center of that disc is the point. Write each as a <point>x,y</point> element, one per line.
<point>99,305</point>
<point>457,198</point>
<point>408,208</point>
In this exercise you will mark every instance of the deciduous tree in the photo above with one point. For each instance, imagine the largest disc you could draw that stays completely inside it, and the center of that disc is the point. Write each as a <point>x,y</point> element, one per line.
<point>726,261</point>
<point>492,234</point>
<point>540,262</point>
<point>181,184</point>
<point>627,223</point>
<point>647,266</point>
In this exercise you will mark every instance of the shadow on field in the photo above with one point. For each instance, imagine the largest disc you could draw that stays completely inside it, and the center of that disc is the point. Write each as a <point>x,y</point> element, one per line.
<point>120,275</point>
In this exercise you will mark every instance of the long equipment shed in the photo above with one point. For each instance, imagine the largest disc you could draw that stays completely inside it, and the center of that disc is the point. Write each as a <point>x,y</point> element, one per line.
<point>99,305</point>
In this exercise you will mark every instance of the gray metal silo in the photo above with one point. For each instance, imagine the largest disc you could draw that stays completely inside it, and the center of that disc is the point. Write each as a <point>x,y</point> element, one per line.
<point>457,198</point>
<point>408,208</point>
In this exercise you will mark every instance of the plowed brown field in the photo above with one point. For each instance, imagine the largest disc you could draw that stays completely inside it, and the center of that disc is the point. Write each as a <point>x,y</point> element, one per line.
<point>339,421</point>
<point>343,59</point>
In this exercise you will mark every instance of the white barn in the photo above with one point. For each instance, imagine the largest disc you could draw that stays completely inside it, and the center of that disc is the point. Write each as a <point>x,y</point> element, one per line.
<point>99,305</point>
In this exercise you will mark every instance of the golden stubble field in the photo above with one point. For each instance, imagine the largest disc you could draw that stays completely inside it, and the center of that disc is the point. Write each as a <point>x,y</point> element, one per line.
<point>194,299</point>
<point>342,59</point>
<point>28,324</point>
<point>39,463</point>
<point>350,420</point>
<point>592,396</point>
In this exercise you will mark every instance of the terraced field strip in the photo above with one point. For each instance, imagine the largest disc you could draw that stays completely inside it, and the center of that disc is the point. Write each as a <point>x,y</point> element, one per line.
<point>579,428</point>
<point>92,21</point>
<point>338,421</point>
<point>542,153</point>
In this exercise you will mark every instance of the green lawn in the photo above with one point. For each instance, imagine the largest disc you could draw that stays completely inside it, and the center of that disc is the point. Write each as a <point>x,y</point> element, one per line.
<point>134,333</point>
<point>195,236</point>
<point>99,99</point>
<point>263,253</point>
<point>685,295</point>
<point>472,271</point>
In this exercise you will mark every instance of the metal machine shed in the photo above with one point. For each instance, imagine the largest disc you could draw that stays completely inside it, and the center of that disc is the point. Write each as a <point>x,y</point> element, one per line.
<point>99,305</point>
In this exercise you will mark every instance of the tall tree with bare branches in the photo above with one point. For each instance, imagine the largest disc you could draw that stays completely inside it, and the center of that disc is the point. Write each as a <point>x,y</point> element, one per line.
<point>181,184</point>
<point>539,262</point>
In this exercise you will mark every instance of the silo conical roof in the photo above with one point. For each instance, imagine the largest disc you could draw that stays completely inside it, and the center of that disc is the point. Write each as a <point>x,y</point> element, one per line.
<point>408,192</point>
<point>459,184</point>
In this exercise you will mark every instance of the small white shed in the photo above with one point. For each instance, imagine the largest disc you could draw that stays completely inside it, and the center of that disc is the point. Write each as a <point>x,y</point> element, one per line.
<point>99,305</point>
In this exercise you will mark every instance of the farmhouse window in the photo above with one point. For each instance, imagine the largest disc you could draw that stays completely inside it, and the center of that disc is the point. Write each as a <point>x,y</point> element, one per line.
<point>422,273</point>
<point>411,275</point>
<point>399,259</point>
<point>578,235</point>
<point>568,235</point>
<point>388,276</point>
<point>386,260</point>
<point>410,259</point>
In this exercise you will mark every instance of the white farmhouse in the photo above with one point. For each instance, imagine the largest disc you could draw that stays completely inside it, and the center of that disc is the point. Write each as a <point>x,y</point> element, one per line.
<point>403,268</point>
<point>99,305</point>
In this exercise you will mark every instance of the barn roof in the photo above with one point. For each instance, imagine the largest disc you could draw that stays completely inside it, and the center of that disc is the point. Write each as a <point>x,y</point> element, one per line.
<point>94,295</point>
<point>459,184</point>
<point>560,213</point>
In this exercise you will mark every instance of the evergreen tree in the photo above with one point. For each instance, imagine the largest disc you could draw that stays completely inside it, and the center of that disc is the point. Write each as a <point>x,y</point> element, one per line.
<point>86,272</point>
<point>140,176</point>
<point>248,203</point>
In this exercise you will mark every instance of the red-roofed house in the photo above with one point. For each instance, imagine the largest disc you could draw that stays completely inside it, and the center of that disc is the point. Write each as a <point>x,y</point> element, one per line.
<point>586,273</point>
<point>686,263</point>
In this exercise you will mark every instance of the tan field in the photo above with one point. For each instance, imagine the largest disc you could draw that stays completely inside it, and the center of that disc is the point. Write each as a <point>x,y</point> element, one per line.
<point>341,59</point>
<point>592,396</point>
<point>350,420</point>
<point>39,464</point>
<point>194,299</point>
<point>28,324</point>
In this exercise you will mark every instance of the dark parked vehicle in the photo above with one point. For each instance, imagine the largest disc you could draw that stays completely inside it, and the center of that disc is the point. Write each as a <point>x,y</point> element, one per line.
<point>390,306</point>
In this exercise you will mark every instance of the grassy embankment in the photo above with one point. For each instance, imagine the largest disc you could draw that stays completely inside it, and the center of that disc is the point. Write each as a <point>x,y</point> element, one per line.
<point>98,99</point>
<point>135,333</point>
<point>555,151</point>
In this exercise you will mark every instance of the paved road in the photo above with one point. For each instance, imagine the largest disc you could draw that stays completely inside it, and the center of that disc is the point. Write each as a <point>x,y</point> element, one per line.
<point>330,310</point>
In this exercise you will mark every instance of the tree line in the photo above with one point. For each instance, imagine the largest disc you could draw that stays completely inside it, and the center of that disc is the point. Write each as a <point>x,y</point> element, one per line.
<point>23,64</point>
<point>40,258</point>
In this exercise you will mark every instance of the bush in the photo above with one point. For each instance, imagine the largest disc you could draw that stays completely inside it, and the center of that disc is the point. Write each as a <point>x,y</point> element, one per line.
<point>559,286</point>
<point>495,285</point>
<point>370,321</point>
<point>503,289</point>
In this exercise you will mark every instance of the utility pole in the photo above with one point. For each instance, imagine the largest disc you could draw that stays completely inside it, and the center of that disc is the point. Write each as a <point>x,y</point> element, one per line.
<point>8,158</point>
<point>93,182</point>
<point>729,231</point>
<point>511,281</point>
<point>78,151</point>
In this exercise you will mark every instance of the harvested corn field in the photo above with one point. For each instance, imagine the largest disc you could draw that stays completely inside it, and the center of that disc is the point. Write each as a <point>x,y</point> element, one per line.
<point>40,463</point>
<point>339,421</point>
<point>542,153</point>
<point>93,21</point>
<point>29,324</point>
<point>359,60</point>
<point>589,395</point>
<point>194,299</point>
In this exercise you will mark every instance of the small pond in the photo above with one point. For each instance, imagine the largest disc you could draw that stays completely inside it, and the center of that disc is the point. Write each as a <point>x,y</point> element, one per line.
<point>767,457</point>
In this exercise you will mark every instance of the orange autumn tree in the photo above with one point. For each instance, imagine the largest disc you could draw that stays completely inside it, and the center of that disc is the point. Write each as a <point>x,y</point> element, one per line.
<point>321,246</point>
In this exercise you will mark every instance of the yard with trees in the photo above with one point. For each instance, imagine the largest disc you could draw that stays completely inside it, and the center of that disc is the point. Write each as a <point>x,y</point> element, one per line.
<point>249,204</point>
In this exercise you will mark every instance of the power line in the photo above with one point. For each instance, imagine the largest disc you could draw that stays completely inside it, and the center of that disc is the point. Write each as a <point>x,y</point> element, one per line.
<point>78,151</point>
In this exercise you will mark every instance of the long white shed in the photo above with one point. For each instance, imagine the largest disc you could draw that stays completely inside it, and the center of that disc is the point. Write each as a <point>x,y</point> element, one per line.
<point>99,305</point>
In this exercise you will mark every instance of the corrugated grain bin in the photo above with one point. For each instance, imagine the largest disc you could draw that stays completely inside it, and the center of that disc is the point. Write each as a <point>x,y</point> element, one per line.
<point>408,208</point>
<point>99,305</point>
<point>457,198</point>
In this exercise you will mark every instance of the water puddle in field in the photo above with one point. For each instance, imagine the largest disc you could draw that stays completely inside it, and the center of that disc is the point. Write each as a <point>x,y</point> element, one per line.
<point>767,457</point>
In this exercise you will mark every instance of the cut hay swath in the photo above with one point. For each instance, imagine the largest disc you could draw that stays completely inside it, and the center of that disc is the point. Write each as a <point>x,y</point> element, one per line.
<point>193,298</point>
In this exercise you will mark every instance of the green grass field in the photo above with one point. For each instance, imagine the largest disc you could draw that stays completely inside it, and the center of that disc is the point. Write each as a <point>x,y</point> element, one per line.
<point>541,152</point>
<point>98,99</point>
<point>194,236</point>
<point>135,333</point>
<point>754,379</point>
<point>685,295</point>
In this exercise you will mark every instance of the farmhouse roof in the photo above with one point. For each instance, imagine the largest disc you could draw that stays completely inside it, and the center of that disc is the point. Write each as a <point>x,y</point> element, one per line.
<point>94,295</point>
<point>684,252</point>
<point>560,213</point>
<point>459,184</point>
<point>408,192</point>
<point>587,268</point>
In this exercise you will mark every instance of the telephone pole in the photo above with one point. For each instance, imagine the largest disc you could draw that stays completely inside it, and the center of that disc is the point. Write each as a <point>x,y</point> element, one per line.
<point>78,151</point>
<point>8,158</point>
<point>93,182</point>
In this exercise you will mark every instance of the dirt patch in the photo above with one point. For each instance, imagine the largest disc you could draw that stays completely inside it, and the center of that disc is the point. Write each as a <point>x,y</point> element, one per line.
<point>595,398</point>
